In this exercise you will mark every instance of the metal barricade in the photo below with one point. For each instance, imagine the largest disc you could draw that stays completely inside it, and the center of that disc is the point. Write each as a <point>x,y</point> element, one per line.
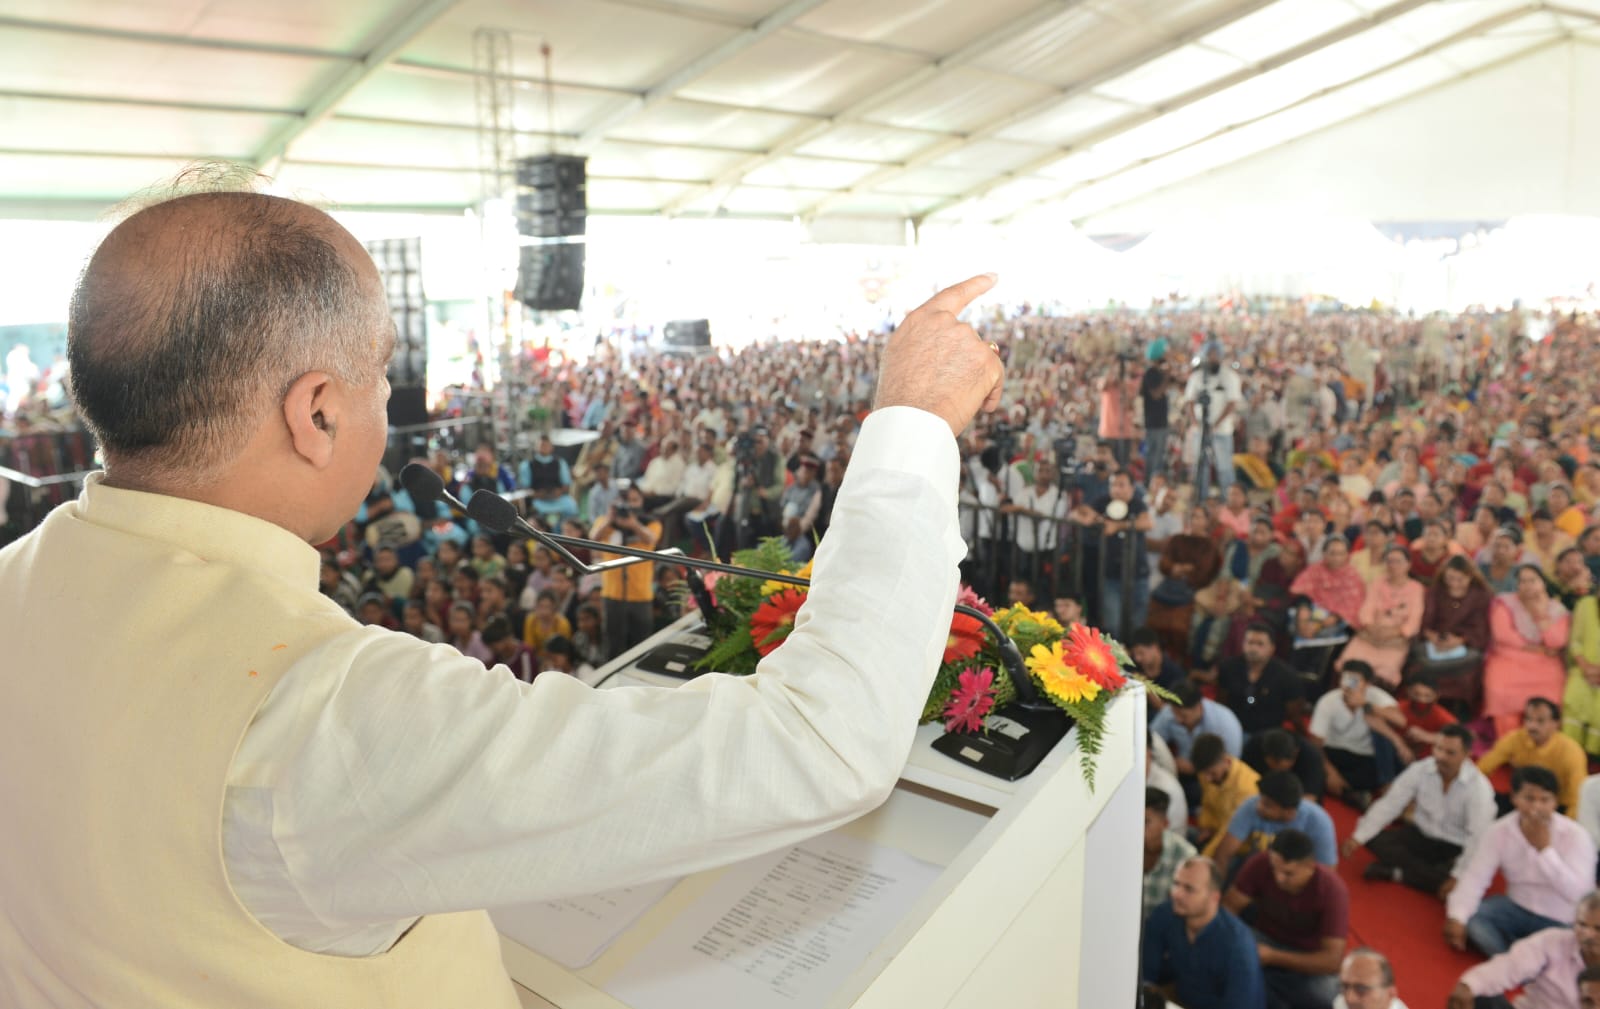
<point>31,498</point>
<point>457,435</point>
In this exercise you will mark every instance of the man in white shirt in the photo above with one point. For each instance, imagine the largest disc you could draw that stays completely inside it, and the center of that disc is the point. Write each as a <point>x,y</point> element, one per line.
<point>694,488</point>
<point>663,475</point>
<point>1358,727</point>
<point>378,787</point>
<point>1454,805</point>
<point>1036,511</point>
<point>1226,396</point>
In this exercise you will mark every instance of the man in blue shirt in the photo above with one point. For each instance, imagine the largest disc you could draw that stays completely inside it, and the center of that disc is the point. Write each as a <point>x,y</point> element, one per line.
<point>1193,716</point>
<point>1280,806</point>
<point>1198,952</point>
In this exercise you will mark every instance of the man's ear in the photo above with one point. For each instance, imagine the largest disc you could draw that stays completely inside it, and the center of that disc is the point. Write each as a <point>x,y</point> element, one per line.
<point>311,413</point>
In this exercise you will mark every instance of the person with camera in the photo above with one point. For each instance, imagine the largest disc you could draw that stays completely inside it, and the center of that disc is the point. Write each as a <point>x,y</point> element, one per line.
<point>761,475</point>
<point>1153,391</point>
<point>627,592</point>
<point>1216,394</point>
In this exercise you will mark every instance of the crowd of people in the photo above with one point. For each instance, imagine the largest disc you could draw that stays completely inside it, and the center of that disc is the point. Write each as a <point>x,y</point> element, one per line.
<point>1360,550</point>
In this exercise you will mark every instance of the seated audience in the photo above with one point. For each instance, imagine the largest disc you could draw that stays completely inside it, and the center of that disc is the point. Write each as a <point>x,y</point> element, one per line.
<point>1358,727</point>
<point>1164,849</point>
<point>1549,966</point>
<point>1182,723</point>
<point>1300,912</point>
<point>1527,638</point>
<point>1151,662</point>
<point>1335,590</point>
<point>1424,715</point>
<point>1453,804</point>
<point>1538,744</point>
<point>509,650</point>
<point>1280,750</point>
<point>1225,784</point>
<point>1258,687</point>
<point>1197,950</point>
<point>1548,862</point>
<point>1366,981</point>
<point>1391,616</point>
<point>1279,805</point>
<point>1158,775</point>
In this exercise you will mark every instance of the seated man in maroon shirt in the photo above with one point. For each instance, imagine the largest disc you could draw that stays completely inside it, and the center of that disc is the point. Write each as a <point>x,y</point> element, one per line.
<point>1300,911</point>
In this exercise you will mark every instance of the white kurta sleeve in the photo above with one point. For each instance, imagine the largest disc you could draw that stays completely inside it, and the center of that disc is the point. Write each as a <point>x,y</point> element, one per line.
<point>399,779</point>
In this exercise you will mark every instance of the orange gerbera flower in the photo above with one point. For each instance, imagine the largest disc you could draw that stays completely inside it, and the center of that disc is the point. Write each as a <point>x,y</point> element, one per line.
<point>1087,652</point>
<point>966,638</point>
<point>774,619</point>
<point>1060,680</point>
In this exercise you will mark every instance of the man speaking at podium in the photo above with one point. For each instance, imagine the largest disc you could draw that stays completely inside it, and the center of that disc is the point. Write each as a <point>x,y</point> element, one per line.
<point>220,791</point>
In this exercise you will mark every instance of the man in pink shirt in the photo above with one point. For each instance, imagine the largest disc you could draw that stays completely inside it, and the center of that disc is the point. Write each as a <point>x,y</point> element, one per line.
<point>1546,965</point>
<point>1548,863</point>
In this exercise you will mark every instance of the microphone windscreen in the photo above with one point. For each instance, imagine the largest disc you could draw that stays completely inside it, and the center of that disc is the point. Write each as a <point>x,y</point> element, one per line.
<point>492,511</point>
<point>423,484</point>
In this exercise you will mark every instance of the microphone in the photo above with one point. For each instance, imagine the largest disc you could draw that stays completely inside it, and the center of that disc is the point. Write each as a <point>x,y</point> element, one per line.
<point>494,512</point>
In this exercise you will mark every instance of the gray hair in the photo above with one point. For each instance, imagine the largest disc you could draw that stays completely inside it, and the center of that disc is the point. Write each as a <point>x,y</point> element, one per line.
<point>177,352</point>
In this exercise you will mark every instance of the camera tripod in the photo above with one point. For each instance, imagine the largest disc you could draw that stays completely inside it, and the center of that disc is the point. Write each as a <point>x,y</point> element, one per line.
<point>1207,456</point>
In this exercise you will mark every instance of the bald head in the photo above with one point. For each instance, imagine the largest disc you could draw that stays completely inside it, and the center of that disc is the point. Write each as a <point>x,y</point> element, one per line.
<point>195,316</point>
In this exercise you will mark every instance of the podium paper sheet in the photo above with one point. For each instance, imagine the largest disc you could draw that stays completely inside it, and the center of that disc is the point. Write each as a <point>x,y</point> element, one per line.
<point>573,932</point>
<point>782,930</point>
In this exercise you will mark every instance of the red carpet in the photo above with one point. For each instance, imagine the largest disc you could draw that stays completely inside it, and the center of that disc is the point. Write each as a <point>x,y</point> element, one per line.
<point>1404,925</point>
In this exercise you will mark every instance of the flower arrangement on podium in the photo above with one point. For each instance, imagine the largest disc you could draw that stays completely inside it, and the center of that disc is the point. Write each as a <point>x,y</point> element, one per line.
<point>1077,668</point>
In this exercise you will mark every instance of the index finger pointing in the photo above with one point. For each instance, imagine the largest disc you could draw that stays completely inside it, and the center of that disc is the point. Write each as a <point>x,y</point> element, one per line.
<point>955,298</point>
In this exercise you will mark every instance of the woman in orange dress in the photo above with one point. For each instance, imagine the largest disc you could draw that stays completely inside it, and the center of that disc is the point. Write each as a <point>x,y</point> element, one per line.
<point>1527,637</point>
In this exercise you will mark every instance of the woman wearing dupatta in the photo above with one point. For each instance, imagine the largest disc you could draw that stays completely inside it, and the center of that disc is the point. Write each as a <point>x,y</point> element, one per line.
<point>1332,584</point>
<point>1391,615</point>
<point>1527,636</point>
<point>1580,708</point>
<point>1455,635</point>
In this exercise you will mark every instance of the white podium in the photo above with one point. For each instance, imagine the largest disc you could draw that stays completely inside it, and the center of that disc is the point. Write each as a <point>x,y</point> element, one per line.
<point>1036,903</point>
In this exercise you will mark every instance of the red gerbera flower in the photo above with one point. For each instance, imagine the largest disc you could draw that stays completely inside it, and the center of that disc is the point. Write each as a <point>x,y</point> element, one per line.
<point>972,699</point>
<point>966,596</point>
<point>966,638</point>
<point>772,621</point>
<point>1086,651</point>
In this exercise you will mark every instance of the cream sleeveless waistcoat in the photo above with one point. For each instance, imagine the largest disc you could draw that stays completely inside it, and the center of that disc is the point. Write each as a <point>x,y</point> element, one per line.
<point>138,635</point>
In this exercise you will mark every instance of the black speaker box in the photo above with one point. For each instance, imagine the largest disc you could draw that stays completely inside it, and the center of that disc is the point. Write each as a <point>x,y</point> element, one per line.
<point>550,277</point>
<point>688,333</point>
<point>408,405</point>
<point>565,170</point>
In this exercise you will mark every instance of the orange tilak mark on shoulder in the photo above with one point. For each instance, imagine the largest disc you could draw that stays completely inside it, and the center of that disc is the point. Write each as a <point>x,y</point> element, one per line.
<point>279,648</point>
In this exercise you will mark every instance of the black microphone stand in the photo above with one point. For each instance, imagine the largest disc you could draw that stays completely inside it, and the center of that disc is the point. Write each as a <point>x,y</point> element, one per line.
<point>1041,723</point>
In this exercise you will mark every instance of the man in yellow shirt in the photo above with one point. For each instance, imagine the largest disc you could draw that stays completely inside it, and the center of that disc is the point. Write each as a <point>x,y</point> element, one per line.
<point>1540,743</point>
<point>627,591</point>
<point>1225,783</point>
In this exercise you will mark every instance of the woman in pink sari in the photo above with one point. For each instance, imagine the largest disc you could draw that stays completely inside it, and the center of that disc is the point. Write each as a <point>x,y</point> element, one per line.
<point>1527,636</point>
<point>1390,617</point>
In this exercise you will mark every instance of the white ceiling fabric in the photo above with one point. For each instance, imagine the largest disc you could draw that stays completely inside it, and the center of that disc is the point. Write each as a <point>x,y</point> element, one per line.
<point>943,109</point>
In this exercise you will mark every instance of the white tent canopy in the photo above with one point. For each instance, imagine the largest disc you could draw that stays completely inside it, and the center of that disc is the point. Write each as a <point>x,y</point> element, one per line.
<point>821,109</point>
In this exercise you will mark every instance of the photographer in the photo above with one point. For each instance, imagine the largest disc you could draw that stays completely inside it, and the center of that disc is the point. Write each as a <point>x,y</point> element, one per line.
<point>628,591</point>
<point>1216,394</point>
<point>761,473</point>
<point>1153,390</point>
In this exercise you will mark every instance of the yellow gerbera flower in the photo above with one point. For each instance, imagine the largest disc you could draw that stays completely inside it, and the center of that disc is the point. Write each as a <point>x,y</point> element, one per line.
<point>1061,681</point>
<point>768,588</point>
